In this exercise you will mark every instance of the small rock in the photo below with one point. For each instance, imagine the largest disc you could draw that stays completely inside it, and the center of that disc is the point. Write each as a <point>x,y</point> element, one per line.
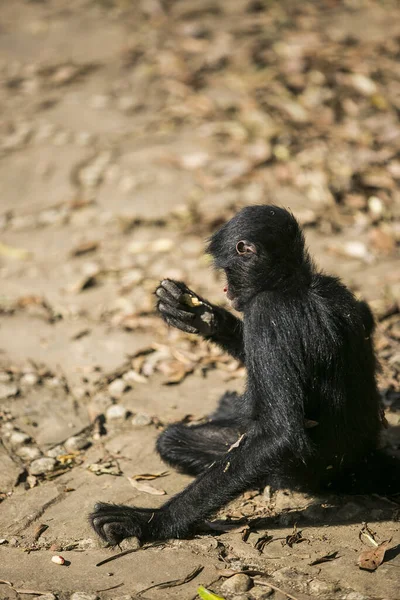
<point>8,390</point>
<point>56,451</point>
<point>116,411</point>
<point>355,596</point>
<point>141,419</point>
<point>318,587</point>
<point>53,382</point>
<point>261,593</point>
<point>4,377</point>
<point>42,465</point>
<point>76,443</point>
<point>19,437</point>
<point>48,596</point>
<point>237,584</point>
<point>29,379</point>
<point>87,543</point>
<point>78,392</point>
<point>83,596</point>
<point>28,453</point>
<point>117,388</point>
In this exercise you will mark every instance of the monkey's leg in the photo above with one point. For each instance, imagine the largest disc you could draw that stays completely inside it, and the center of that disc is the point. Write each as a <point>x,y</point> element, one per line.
<point>180,307</point>
<point>192,449</point>
<point>244,467</point>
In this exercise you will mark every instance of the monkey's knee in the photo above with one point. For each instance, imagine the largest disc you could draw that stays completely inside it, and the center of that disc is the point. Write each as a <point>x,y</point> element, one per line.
<point>170,441</point>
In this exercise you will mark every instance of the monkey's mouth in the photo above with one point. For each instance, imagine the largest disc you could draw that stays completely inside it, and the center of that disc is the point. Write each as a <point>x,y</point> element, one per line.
<point>231,297</point>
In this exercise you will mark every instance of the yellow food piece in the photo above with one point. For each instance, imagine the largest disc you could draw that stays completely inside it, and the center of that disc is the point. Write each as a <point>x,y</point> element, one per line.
<point>191,300</point>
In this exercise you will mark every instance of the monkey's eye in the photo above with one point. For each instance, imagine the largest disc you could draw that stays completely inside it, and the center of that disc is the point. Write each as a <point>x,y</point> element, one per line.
<point>244,247</point>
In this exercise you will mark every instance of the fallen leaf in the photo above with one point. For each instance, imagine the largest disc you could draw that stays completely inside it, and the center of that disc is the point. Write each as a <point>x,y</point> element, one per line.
<point>372,558</point>
<point>326,558</point>
<point>295,538</point>
<point>205,594</point>
<point>146,488</point>
<point>149,476</point>
<point>84,248</point>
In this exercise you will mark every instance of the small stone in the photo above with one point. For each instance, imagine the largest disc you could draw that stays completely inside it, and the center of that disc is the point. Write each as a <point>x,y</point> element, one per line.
<point>237,584</point>
<point>355,596</point>
<point>19,437</point>
<point>48,596</point>
<point>87,543</point>
<point>8,390</point>
<point>261,593</point>
<point>117,388</point>
<point>53,382</point>
<point>141,420</point>
<point>58,450</point>
<point>318,587</point>
<point>5,377</point>
<point>42,465</point>
<point>116,411</point>
<point>29,379</point>
<point>58,560</point>
<point>78,392</point>
<point>76,443</point>
<point>28,453</point>
<point>83,596</point>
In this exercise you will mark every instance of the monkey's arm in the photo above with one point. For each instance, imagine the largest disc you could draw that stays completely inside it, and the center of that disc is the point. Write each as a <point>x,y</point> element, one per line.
<point>182,308</point>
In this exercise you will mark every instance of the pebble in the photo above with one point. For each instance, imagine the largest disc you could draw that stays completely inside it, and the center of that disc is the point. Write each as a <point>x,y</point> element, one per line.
<point>117,388</point>
<point>8,390</point>
<point>83,596</point>
<point>355,596</point>
<point>29,379</point>
<point>48,596</point>
<point>77,442</point>
<point>28,453</point>
<point>56,451</point>
<point>116,411</point>
<point>4,377</point>
<point>78,392</point>
<point>237,584</point>
<point>318,587</point>
<point>42,465</point>
<point>262,592</point>
<point>141,419</point>
<point>19,437</point>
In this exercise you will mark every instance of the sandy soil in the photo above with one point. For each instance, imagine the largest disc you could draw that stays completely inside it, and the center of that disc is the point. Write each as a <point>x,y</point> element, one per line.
<point>128,132</point>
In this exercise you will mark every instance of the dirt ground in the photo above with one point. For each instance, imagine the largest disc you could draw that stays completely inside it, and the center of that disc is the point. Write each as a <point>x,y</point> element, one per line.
<point>128,132</point>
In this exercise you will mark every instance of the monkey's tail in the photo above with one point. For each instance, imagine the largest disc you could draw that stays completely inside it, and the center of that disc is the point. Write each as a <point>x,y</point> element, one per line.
<point>378,473</point>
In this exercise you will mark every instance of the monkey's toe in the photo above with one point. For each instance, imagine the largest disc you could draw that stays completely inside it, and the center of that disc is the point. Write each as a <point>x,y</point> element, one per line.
<point>114,523</point>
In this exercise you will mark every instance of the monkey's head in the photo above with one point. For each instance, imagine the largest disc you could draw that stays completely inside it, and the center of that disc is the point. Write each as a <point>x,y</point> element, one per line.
<point>261,248</point>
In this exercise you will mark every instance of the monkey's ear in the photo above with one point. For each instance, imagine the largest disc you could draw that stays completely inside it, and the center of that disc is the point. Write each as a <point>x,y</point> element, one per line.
<point>244,247</point>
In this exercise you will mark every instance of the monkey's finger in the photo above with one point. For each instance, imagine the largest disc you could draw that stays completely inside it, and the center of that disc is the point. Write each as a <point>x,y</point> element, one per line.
<point>168,309</point>
<point>175,288</point>
<point>180,324</point>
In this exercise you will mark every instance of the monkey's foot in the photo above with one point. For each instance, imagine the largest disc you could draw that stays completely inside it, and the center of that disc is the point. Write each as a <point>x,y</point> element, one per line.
<point>113,523</point>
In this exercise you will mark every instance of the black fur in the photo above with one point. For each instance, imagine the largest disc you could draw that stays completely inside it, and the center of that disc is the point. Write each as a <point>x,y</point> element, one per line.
<point>309,418</point>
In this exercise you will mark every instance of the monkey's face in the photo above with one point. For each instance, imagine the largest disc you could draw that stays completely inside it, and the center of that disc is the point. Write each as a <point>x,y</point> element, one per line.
<point>254,249</point>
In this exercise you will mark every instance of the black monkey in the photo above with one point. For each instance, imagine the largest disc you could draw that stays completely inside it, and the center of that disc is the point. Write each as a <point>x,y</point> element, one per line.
<point>309,418</point>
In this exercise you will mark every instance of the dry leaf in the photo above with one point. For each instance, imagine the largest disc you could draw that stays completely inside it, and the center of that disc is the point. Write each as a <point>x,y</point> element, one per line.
<point>84,248</point>
<point>372,558</point>
<point>326,558</point>
<point>149,476</point>
<point>146,488</point>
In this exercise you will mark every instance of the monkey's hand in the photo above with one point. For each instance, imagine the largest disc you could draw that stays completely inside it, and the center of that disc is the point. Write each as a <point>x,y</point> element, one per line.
<point>182,308</point>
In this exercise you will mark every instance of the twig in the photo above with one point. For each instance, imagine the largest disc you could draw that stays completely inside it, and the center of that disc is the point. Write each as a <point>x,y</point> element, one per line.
<point>276,588</point>
<point>113,587</point>
<point>174,583</point>
<point>125,552</point>
<point>21,590</point>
